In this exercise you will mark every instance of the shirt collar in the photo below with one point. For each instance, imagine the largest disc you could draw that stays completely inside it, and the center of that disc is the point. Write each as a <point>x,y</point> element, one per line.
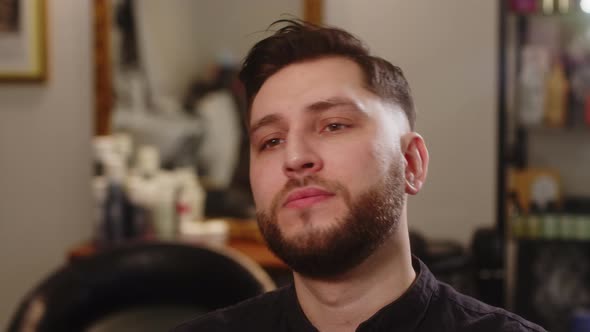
<point>403,314</point>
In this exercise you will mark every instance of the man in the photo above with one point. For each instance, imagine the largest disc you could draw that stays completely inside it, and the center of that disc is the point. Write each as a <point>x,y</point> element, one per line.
<point>333,156</point>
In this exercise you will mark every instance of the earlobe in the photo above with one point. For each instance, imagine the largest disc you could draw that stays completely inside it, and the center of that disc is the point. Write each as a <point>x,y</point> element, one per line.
<point>416,162</point>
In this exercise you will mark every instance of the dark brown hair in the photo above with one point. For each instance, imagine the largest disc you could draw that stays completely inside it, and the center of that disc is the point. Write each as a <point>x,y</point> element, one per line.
<point>299,41</point>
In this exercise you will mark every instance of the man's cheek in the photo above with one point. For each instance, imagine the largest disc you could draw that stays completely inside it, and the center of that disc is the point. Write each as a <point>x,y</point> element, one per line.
<point>264,193</point>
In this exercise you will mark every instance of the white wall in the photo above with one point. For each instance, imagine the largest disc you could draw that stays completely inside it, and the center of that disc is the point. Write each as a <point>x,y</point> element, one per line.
<point>243,23</point>
<point>169,47</point>
<point>45,130</point>
<point>447,50</point>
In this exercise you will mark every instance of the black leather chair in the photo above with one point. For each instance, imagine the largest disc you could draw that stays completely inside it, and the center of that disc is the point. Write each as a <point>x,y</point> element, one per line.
<point>147,280</point>
<point>447,260</point>
<point>477,271</point>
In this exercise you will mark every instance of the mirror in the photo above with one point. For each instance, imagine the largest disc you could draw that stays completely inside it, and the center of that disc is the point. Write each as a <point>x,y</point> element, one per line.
<point>166,75</point>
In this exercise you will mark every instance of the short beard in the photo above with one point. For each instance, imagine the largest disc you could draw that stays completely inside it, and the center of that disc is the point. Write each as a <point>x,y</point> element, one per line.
<point>332,251</point>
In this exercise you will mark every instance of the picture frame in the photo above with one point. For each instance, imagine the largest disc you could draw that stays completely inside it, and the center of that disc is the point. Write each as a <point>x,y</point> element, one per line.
<point>23,54</point>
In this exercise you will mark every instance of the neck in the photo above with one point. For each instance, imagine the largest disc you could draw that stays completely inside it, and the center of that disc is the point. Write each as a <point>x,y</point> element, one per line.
<point>344,302</point>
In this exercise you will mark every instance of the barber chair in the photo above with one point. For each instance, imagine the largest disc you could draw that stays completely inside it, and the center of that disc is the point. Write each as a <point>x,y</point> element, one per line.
<point>477,271</point>
<point>139,287</point>
<point>447,260</point>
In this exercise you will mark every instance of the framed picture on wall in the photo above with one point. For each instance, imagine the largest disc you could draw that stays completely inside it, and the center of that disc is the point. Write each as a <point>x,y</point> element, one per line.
<point>22,41</point>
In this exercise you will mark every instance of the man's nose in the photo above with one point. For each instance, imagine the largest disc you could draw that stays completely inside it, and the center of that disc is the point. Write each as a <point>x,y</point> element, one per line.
<point>301,158</point>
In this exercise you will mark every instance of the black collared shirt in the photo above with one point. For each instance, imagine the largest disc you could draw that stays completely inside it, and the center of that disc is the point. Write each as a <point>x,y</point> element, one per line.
<point>428,305</point>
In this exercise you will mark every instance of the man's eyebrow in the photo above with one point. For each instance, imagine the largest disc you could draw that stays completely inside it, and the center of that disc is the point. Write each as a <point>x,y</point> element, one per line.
<point>329,103</point>
<point>265,121</point>
<point>318,106</point>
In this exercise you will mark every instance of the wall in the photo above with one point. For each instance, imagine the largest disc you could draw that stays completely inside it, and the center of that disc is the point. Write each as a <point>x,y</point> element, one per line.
<point>448,51</point>
<point>243,24</point>
<point>45,130</point>
<point>169,47</point>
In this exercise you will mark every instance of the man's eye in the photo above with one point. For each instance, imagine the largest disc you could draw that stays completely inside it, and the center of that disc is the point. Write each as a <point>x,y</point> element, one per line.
<point>335,127</point>
<point>268,144</point>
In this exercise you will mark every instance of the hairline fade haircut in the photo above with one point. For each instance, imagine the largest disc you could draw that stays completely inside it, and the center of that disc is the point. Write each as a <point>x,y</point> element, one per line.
<point>299,41</point>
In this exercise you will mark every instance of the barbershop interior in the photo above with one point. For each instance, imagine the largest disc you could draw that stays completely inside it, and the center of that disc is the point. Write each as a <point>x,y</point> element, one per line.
<point>125,201</point>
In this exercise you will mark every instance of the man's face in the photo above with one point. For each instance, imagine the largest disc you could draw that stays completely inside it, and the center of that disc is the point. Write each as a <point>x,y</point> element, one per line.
<point>326,167</point>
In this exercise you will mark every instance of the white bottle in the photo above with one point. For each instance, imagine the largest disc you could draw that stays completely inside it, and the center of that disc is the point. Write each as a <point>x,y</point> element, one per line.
<point>155,189</point>
<point>99,193</point>
<point>191,194</point>
<point>103,148</point>
<point>148,161</point>
<point>535,66</point>
<point>123,145</point>
<point>141,185</point>
<point>114,221</point>
<point>165,224</point>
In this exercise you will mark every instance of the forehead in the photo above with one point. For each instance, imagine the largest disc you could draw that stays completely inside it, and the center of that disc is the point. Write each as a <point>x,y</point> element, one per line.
<point>301,84</point>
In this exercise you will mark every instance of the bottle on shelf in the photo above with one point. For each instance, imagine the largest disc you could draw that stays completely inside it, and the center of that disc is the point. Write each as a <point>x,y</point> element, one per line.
<point>548,7</point>
<point>123,146</point>
<point>531,84</point>
<point>191,197</point>
<point>155,190</point>
<point>556,101</point>
<point>165,208</point>
<point>582,227</point>
<point>121,220</point>
<point>533,222</point>
<point>567,226</point>
<point>550,221</point>
<point>577,52</point>
<point>523,6</point>
<point>517,221</point>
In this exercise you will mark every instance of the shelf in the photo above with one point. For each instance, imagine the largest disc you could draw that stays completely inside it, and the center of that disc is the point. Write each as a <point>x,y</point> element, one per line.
<point>578,242</point>
<point>545,254</point>
<point>571,15</point>
<point>558,130</point>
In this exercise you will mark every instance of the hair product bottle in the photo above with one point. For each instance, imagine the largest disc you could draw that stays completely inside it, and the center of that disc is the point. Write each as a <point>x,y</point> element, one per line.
<point>531,85</point>
<point>556,96</point>
<point>116,216</point>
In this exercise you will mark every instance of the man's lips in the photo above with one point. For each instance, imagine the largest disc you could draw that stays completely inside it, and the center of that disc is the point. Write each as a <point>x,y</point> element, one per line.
<point>301,198</point>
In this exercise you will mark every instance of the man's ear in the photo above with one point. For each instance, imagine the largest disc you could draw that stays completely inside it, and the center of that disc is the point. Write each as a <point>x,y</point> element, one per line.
<point>416,161</point>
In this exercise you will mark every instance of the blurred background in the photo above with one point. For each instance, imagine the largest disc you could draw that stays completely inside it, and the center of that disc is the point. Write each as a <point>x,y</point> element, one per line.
<point>120,125</point>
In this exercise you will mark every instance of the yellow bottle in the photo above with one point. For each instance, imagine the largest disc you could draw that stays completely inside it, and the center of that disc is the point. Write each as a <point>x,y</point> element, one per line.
<point>556,88</point>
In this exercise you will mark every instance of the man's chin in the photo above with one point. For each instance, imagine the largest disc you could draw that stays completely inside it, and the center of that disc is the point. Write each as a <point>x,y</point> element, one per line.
<point>320,246</point>
<point>304,224</point>
<point>306,234</point>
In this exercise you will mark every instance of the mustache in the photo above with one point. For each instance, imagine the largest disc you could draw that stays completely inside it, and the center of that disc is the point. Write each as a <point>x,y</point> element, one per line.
<point>331,186</point>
